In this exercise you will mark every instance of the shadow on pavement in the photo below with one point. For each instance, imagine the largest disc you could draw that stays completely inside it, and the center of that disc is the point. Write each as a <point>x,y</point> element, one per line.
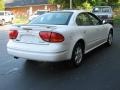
<point>61,67</point>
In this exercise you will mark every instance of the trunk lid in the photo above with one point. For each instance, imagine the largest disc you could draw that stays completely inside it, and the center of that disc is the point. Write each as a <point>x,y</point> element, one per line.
<point>30,33</point>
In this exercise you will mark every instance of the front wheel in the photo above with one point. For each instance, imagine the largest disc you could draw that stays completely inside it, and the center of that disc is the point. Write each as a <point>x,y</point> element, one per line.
<point>77,55</point>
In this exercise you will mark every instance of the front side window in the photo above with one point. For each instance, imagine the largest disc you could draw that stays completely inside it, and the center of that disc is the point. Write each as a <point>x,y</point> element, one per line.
<point>83,19</point>
<point>53,18</point>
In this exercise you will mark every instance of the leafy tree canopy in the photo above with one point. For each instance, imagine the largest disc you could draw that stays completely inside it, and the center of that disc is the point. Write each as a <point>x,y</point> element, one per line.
<point>2,5</point>
<point>84,3</point>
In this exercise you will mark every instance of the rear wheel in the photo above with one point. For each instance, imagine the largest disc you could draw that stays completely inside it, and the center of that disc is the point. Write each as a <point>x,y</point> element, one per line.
<point>110,39</point>
<point>77,55</point>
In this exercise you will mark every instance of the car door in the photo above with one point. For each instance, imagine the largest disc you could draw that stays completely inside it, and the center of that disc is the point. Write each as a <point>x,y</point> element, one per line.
<point>89,31</point>
<point>100,28</point>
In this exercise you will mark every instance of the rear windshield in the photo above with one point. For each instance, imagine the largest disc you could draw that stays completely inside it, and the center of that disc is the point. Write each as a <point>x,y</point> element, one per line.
<point>1,13</point>
<point>102,9</point>
<point>53,18</point>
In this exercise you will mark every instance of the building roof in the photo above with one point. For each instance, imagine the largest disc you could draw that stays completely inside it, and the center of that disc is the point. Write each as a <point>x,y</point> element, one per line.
<point>16,3</point>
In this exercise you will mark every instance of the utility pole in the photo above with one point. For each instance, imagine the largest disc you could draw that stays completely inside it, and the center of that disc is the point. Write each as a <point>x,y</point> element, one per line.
<point>70,4</point>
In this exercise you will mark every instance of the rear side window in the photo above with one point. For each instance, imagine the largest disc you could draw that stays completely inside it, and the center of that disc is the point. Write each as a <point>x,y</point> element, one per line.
<point>83,20</point>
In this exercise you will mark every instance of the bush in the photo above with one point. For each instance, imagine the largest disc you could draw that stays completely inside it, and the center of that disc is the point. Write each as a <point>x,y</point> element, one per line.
<point>87,6</point>
<point>20,20</point>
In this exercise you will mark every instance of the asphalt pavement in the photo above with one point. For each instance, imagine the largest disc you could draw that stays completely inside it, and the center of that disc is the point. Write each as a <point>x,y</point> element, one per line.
<point>100,70</point>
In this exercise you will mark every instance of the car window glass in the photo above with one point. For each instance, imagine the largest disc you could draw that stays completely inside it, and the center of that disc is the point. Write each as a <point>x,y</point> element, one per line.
<point>9,14</point>
<point>94,20</point>
<point>102,10</point>
<point>53,18</point>
<point>96,10</point>
<point>1,13</point>
<point>6,13</point>
<point>40,12</point>
<point>83,19</point>
<point>106,10</point>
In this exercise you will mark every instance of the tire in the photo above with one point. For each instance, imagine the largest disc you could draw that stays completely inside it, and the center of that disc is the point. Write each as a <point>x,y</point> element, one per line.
<point>77,55</point>
<point>110,39</point>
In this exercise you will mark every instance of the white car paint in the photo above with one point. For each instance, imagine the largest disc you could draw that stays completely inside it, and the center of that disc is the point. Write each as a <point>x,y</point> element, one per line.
<point>7,16</point>
<point>29,45</point>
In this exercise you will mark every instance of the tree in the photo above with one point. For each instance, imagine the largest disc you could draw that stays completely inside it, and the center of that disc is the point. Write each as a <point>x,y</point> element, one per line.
<point>63,3</point>
<point>84,3</point>
<point>2,5</point>
<point>76,3</point>
<point>112,2</point>
<point>104,2</point>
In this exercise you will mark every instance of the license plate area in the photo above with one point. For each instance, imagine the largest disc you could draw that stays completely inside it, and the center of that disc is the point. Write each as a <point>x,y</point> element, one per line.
<point>30,39</point>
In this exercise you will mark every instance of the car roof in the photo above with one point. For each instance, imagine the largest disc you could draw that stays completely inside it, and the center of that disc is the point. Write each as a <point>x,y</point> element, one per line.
<point>103,6</point>
<point>75,11</point>
<point>42,10</point>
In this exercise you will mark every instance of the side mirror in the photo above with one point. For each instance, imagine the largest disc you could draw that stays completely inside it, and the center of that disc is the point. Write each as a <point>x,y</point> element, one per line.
<point>104,21</point>
<point>107,22</point>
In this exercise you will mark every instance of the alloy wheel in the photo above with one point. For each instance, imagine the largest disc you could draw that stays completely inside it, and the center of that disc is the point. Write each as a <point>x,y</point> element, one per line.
<point>77,55</point>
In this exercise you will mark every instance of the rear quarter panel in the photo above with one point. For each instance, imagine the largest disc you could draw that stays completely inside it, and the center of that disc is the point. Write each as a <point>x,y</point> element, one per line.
<point>71,36</point>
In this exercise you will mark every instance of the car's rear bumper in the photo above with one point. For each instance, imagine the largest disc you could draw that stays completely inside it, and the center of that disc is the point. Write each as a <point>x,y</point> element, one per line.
<point>37,52</point>
<point>50,57</point>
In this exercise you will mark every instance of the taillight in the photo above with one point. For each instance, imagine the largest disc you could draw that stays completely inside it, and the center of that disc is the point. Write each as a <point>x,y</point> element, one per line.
<point>13,34</point>
<point>56,37</point>
<point>51,36</point>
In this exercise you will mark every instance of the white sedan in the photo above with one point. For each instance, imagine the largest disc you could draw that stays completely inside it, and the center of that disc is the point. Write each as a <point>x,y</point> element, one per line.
<point>59,35</point>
